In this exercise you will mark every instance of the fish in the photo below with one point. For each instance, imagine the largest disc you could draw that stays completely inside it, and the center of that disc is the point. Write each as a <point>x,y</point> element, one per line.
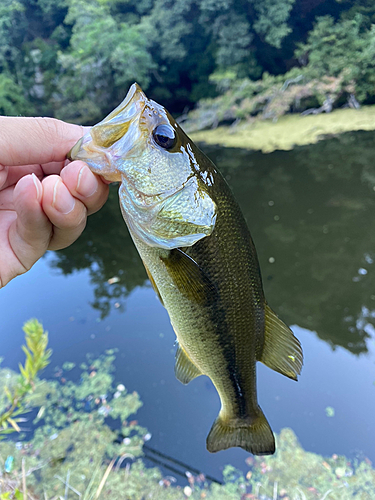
<point>200,259</point>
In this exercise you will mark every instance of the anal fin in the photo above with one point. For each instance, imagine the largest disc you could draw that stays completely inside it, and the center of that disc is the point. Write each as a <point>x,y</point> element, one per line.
<point>184,369</point>
<point>282,351</point>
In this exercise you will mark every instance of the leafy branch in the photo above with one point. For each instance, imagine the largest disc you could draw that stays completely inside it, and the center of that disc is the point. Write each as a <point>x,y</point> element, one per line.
<point>37,358</point>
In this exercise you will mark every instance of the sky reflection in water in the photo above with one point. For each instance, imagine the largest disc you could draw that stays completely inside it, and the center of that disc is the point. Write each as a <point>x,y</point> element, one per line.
<point>310,212</point>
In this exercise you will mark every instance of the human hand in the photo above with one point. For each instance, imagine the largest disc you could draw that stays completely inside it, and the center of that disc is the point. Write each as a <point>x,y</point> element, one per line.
<point>44,199</point>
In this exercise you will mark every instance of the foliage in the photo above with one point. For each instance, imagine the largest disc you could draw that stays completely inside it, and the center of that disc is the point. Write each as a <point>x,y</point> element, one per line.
<point>297,471</point>
<point>344,49</point>
<point>105,56</point>
<point>338,60</point>
<point>74,59</point>
<point>82,440</point>
<point>272,20</point>
<point>15,392</point>
<point>268,98</point>
<point>71,438</point>
<point>12,100</point>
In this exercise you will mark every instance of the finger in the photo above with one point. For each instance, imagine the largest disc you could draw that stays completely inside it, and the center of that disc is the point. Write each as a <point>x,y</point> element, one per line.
<point>53,167</point>
<point>3,175</point>
<point>6,199</point>
<point>25,141</point>
<point>66,213</point>
<point>30,233</point>
<point>85,186</point>
<point>14,174</point>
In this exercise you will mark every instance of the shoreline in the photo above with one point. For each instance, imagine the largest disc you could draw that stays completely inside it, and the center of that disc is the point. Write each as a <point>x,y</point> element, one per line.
<point>289,131</point>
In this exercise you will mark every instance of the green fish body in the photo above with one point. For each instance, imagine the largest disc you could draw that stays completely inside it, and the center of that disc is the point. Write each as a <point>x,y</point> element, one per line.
<point>201,261</point>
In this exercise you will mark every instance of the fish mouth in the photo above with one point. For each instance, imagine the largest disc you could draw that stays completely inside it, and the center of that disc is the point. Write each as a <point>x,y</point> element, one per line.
<point>72,155</point>
<point>113,137</point>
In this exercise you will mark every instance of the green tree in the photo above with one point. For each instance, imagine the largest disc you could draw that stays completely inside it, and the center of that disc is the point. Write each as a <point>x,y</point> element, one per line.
<point>12,96</point>
<point>272,18</point>
<point>344,49</point>
<point>104,57</point>
<point>232,35</point>
<point>12,99</point>
<point>75,59</point>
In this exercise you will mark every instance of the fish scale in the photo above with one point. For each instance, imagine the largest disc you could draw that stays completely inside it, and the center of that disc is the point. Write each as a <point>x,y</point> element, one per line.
<point>201,261</point>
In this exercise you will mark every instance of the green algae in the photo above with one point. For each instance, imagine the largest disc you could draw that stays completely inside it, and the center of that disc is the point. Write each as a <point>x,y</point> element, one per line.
<point>289,131</point>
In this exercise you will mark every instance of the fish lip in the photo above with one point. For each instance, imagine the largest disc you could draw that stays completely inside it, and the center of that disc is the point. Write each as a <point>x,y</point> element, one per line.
<point>89,149</point>
<point>73,152</point>
<point>106,181</point>
<point>136,95</point>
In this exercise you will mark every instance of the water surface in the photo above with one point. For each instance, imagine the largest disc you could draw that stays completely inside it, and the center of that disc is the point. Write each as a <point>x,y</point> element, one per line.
<point>311,215</point>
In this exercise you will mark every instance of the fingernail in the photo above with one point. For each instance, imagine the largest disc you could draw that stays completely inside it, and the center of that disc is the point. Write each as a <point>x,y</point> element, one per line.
<point>37,186</point>
<point>62,200</point>
<point>87,185</point>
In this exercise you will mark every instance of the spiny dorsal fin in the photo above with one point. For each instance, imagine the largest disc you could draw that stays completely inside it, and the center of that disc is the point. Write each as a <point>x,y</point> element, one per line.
<point>189,278</point>
<point>282,351</point>
<point>184,369</point>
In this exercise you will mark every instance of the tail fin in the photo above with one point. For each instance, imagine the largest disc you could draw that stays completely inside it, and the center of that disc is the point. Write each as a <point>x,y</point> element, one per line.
<point>256,437</point>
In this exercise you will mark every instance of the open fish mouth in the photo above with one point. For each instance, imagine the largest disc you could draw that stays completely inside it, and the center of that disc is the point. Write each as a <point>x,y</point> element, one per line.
<point>113,137</point>
<point>163,197</point>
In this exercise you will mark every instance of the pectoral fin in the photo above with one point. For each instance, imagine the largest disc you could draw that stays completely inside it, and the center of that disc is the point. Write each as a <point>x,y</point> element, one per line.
<point>282,351</point>
<point>184,369</point>
<point>152,281</point>
<point>189,278</point>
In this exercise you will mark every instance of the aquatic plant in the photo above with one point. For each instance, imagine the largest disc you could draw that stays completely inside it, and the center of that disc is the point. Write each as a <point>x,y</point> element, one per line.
<point>302,475</point>
<point>16,389</point>
<point>84,446</point>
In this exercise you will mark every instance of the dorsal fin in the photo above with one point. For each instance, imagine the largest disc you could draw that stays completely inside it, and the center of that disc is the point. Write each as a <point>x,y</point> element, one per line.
<point>282,351</point>
<point>184,369</point>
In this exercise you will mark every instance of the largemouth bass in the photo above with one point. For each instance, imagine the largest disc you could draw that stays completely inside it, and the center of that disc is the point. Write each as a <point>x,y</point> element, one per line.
<point>200,259</point>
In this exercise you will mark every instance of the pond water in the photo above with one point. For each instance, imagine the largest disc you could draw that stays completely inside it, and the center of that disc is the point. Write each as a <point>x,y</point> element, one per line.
<point>311,215</point>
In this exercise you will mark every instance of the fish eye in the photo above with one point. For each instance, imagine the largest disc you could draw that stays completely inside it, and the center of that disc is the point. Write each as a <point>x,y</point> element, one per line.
<point>164,136</point>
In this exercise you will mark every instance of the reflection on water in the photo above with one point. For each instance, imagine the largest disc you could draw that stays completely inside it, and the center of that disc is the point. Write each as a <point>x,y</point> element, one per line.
<point>107,251</point>
<point>310,212</point>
